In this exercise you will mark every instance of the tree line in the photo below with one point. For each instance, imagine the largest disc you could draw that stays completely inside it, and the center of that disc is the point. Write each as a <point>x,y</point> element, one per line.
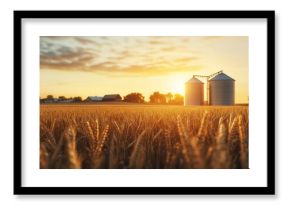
<point>50,98</point>
<point>135,97</point>
<point>156,98</point>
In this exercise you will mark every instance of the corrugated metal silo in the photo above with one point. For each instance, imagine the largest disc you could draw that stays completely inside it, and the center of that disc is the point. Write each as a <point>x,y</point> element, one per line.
<point>221,90</point>
<point>193,92</point>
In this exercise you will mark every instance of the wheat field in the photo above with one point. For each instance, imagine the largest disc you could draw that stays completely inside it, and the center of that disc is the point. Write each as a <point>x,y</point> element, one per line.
<point>143,137</point>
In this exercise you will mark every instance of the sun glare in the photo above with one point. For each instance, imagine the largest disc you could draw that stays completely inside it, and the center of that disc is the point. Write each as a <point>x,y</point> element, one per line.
<point>177,87</point>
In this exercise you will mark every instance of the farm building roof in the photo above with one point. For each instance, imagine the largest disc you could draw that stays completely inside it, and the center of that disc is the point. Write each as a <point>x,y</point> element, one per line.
<point>112,96</point>
<point>95,98</point>
<point>221,76</point>
<point>194,80</point>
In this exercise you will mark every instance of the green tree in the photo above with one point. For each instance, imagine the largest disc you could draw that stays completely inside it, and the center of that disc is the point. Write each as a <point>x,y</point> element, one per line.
<point>169,97</point>
<point>61,98</point>
<point>134,97</point>
<point>177,100</point>
<point>49,97</point>
<point>77,99</point>
<point>158,98</point>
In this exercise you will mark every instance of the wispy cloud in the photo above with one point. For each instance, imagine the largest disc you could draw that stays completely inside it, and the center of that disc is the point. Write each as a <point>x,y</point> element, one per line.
<point>130,55</point>
<point>85,41</point>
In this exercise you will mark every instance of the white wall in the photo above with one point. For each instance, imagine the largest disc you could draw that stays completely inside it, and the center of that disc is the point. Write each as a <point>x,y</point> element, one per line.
<point>282,107</point>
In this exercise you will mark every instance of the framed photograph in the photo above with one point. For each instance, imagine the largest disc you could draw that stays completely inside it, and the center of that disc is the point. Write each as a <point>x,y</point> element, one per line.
<point>144,102</point>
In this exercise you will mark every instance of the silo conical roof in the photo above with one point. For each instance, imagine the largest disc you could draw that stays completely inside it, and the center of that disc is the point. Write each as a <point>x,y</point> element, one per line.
<point>194,80</point>
<point>221,76</point>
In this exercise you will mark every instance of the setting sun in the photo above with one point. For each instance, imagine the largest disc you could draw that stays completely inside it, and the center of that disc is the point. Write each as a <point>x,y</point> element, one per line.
<point>177,87</point>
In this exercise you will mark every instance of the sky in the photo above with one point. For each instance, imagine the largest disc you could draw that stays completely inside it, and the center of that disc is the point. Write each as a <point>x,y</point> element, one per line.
<point>95,66</point>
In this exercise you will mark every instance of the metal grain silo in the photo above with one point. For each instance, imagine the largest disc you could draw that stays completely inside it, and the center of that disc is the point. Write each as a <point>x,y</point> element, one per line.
<point>221,90</point>
<point>193,92</point>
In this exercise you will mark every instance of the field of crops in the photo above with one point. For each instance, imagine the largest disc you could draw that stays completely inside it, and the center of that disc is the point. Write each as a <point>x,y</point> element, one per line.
<point>143,137</point>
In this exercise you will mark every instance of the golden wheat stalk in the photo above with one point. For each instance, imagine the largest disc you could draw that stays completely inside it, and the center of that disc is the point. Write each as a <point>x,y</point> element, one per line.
<point>97,130</point>
<point>234,143</point>
<point>222,136</point>
<point>168,147</point>
<point>90,133</point>
<point>202,129</point>
<point>133,163</point>
<point>243,143</point>
<point>220,155</point>
<point>182,137</point>
<point>190,149</point>
<point>71,150</point>
<point>43,157</point>
<point>102,141</point>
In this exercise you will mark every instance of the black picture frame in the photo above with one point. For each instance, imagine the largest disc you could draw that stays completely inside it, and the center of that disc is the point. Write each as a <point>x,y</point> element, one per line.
<point>268,190</point>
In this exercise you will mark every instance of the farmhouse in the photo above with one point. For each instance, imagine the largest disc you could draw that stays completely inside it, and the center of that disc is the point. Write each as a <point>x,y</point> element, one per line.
<point>112,97</point>
<point>69,100</point>
<point>49,100</point>
<point>94,99</point>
